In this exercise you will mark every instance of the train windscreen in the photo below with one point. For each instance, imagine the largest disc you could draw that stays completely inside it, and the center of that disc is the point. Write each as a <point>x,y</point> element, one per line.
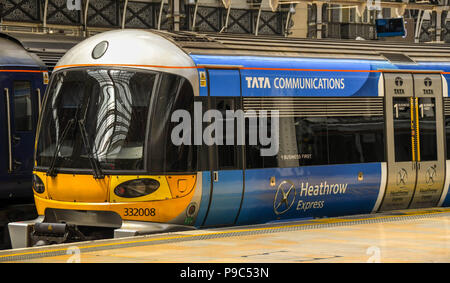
<point>96,119</point>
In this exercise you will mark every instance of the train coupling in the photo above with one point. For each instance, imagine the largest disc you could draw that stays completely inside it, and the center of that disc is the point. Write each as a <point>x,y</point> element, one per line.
<point>37,232</point>
<point>55,233</point>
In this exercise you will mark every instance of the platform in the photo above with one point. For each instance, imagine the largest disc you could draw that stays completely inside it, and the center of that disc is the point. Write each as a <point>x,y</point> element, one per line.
<point>401,236</point>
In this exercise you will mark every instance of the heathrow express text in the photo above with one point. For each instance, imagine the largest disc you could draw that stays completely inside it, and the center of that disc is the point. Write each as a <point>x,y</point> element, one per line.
<point>323,189</point>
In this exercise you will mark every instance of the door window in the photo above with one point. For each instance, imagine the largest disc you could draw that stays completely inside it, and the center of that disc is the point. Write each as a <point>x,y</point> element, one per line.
<point>402,129</point>
<point>427,126</point>
<point>226,149</point>
<point>22,106</point>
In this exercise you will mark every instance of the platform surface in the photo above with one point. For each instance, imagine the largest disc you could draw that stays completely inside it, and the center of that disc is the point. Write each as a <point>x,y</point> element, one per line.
<point>402,236</point>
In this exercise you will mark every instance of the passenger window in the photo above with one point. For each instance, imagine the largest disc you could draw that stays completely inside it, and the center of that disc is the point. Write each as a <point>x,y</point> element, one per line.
<point>22,106</point>
<point>319,137</point>
<point>302,141</point>
<point>226,154</point>
<point>253,156</point>
<point>355,139</point>
<point>312,140</point>
<point>175,93</point>
<point>447,133</point>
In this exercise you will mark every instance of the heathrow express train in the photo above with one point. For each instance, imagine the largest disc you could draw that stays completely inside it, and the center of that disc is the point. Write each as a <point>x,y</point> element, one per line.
<point>143,131</point>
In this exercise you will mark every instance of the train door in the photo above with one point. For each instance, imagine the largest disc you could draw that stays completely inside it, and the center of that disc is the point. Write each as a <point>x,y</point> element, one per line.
<point>227,181</point>
<point>399,95</point>
<point>414,139</point>
<point>430,140</point>
<point>22,113</point>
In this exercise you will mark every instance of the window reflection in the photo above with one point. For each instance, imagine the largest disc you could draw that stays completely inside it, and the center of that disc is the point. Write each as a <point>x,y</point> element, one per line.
<point>22,106</point>
<point>323,140</point>
<point>114,106</point>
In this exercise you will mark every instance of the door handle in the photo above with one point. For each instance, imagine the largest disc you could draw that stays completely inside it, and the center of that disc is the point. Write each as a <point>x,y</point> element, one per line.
<point>17,164</point>
<point>15,140</point>
<point>38,90</point>
<point>216,176</point>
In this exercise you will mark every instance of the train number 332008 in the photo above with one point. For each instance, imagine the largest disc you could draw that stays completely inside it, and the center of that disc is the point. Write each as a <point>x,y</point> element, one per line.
<point>139,212</point>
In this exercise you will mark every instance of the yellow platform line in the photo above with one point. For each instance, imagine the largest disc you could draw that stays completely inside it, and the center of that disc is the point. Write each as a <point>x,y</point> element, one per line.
<point>313,222</point>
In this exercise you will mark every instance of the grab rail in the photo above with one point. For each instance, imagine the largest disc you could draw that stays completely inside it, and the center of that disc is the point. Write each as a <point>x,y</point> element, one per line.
<point>8,119</point>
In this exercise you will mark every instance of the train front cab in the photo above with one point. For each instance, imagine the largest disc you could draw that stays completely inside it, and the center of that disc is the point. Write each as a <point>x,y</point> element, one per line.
<point>137,177</point>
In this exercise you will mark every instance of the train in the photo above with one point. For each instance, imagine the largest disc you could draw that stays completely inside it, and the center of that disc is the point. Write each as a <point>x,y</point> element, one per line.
<point>151,131</point>
<point>24,75</point>
<point>23,78</point>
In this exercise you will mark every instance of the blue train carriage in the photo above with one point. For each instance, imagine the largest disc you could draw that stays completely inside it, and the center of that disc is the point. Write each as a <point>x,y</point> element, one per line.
<point>362,128</point>
<point>321,128</point>
<point>23,78</point>
<point>25,62</point>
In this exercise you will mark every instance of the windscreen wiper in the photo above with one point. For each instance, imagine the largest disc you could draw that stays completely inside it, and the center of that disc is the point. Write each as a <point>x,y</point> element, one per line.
<point>98,174</point>
<point>51,170</point>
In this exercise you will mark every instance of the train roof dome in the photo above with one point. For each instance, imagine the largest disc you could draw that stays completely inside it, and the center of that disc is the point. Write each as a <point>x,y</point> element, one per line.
<point>131,48</point>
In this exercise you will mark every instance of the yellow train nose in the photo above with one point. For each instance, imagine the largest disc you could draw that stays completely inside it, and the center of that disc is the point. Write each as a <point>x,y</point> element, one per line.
<point>76,192</point>
<point>78,188</point>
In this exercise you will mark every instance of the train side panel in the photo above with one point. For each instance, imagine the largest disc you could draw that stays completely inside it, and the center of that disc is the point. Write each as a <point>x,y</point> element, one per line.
<point>273,194</point>
<point>299,76</point>
<point>311,192</point>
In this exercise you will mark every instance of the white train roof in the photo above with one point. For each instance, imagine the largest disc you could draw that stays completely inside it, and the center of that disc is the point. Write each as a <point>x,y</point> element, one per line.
<point>132,48</point>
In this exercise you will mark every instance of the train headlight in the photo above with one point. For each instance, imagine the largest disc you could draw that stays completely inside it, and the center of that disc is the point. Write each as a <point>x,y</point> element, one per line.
<point>136,188</point>
<point>38,185</point>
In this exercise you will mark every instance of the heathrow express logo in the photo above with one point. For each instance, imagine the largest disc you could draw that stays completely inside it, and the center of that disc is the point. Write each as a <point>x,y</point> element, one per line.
<point>402,177</point>
<point>284,197</point>
<point>430,175</point>
<point>398,81</point>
